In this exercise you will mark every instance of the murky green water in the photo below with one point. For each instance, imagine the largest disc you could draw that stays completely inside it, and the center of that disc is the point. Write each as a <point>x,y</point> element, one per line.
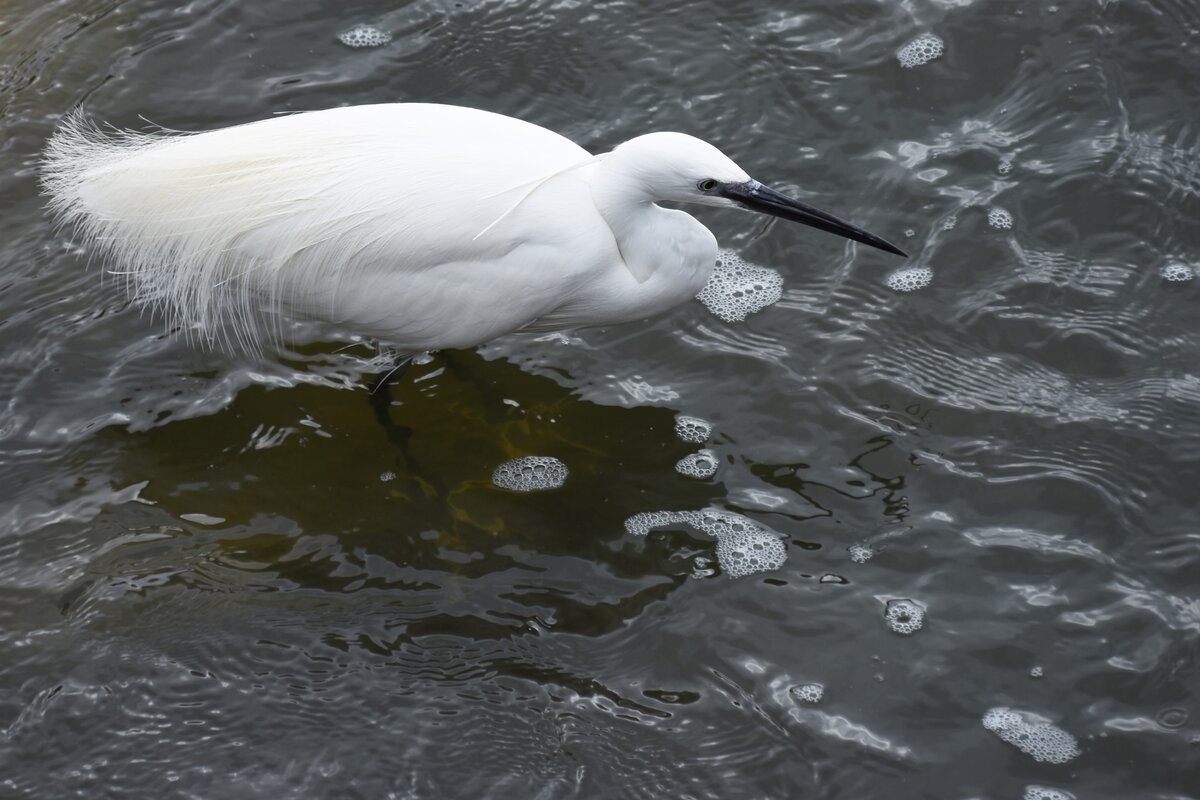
<point>221,577</point>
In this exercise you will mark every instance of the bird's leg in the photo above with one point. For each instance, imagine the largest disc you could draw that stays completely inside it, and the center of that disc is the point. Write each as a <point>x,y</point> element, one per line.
<point>381,401</point>
<point>399,435</point>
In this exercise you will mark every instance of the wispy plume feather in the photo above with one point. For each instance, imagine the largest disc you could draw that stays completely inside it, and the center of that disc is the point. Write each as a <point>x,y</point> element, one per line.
<point>209,230</point>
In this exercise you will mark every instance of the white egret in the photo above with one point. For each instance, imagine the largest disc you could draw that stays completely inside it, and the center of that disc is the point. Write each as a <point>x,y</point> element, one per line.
<point>424,226</point>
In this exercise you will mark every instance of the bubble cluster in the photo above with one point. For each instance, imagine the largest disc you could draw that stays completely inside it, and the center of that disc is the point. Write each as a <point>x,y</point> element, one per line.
<point>1032,734</point>
<point>530,474</point>
<point>1004,167</point>
<point>999,218</point>
<point>904,616</point>
<point>743,547</point>
<point>698,465</point>
<point>1045,793</point>
<point>921,50</point>
<point>809,692</point>
<point>949,224</point>
<point>1177,272</point>
<point>693,429</point>
<point>643,522</point>
<point>860,553</point>
<point>364,36</point>
<point>1036,672</point>
<point>736,289</point>
<point>909,280</point>
<point>387,476</point>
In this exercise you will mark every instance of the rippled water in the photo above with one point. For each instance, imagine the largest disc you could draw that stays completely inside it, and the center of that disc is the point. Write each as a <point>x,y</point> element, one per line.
<point>222,577</point>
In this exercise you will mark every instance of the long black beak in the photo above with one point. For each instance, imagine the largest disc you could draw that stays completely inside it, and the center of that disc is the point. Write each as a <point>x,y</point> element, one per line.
<point>756,197</point>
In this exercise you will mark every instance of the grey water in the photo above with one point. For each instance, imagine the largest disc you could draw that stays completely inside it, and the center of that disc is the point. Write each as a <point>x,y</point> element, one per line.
<point>222,577</point>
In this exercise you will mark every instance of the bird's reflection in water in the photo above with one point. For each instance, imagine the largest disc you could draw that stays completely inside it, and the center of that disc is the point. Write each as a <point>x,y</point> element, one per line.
<point>330,504</point>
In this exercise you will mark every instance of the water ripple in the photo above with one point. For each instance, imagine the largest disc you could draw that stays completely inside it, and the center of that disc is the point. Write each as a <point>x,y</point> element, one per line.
<point>241,577</point>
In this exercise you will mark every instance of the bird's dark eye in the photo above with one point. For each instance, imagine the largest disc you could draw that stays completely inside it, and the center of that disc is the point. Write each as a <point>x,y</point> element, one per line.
<point>706,185</point>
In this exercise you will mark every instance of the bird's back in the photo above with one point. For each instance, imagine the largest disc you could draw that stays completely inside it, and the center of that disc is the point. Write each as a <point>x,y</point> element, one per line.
<point>209,226</point>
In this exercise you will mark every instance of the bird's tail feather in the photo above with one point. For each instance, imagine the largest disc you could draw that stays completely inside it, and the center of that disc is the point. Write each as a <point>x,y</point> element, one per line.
<point>178,213</point>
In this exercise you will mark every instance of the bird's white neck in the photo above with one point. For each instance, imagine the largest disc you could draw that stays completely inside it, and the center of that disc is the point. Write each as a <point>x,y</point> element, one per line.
<point>639,226</point>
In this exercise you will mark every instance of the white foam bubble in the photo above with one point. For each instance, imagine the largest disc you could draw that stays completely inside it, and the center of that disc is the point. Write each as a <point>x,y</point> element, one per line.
<point>736,289</point>
<point>743,546</point>
<point>1178,272</point>
<point>364,36</point>
<point>922,50</point>
<point>1032,734</point>
<point>643,522</point>
<point>387,476</point>
<point>1033,792</point>
<point>693,429</point>
<point>904,616</point>
<point>999,218</point>
<point>860,553</point>
<point>530,474</point>
<point>809,692</point>
<point>1036,672</point>
<point>949,224</point>
<point>909,280</point>
<point>698,465</point>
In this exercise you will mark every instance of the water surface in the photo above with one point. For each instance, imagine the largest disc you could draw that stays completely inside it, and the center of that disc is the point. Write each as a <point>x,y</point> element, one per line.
<point>220,576</point>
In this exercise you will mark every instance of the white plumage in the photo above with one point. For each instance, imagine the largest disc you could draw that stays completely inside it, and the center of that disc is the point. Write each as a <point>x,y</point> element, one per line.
<point>425,226</point>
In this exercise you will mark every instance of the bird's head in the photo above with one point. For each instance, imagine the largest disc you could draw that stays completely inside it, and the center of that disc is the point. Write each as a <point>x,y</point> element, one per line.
<point>678,168</point>
<point>675,167</point>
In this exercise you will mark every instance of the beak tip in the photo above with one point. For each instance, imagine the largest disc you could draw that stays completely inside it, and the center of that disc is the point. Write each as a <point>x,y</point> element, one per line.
<point>883,244</point>
<point>754,196</point>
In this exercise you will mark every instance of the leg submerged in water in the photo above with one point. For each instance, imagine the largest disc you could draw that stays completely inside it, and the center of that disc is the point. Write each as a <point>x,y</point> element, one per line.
<point>381,402</point>
<point>399,435</point>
